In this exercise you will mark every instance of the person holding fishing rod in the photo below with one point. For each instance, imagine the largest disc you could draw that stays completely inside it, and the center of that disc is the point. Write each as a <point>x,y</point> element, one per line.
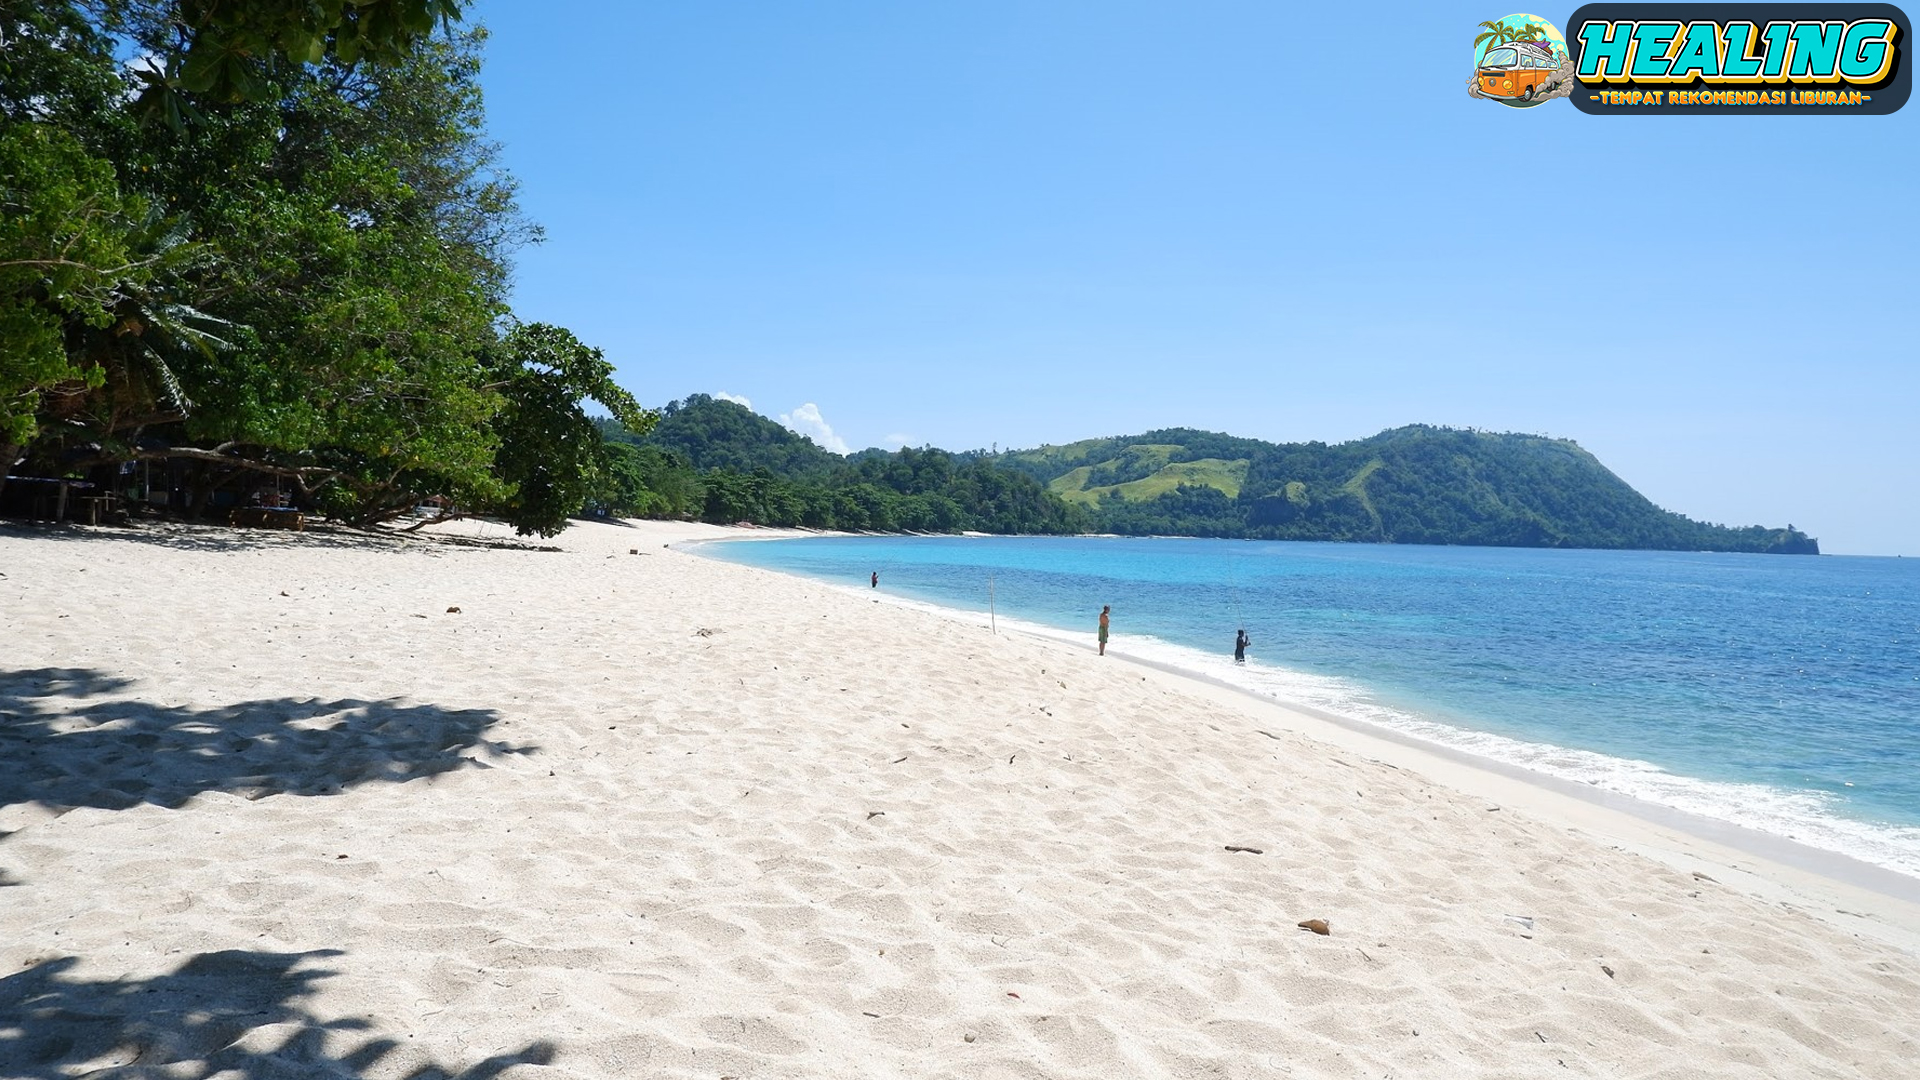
<point>1240,639</point>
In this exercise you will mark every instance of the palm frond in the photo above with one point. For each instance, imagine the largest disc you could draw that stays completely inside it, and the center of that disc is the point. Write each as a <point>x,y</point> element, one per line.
<point>169,382</point>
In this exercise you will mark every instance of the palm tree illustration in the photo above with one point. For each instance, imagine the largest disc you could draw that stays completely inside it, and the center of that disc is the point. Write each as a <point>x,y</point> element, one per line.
<point>1499,33</point>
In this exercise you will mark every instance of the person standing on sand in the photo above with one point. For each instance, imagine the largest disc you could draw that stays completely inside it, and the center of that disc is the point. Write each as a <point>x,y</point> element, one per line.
<point>1105,610</point>
<point>1240,644</point>
<point>876,580</point>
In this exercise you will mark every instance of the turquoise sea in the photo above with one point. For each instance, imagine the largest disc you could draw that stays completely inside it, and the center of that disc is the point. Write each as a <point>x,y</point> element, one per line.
<point>1781,693</point>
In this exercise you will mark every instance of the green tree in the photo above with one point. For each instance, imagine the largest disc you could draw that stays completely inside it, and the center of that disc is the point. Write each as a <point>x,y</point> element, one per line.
<point>551,457</point>
<point>64,256</point>
<point>213,52</point>
<point>364,234</point>
<point>306,280</point>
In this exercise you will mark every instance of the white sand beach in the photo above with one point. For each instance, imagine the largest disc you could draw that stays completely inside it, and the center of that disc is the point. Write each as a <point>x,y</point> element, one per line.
<point>279,805</point>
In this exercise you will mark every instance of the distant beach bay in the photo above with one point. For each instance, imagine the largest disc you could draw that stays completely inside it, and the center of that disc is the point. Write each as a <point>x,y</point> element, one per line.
<point>1778,694</point>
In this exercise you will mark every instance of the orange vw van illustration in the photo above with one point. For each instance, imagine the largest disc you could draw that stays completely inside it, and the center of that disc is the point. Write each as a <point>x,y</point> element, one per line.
<point>1518,69</point>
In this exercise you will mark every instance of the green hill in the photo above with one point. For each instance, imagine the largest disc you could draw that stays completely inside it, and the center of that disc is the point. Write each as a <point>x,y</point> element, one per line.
<point>709,433</point>
<point>719,461</point>
<point>1419,484</point>
<point>1410,485</point>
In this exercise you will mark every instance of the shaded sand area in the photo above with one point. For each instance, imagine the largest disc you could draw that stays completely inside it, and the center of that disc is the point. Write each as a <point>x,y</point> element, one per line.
<point>268,808</point>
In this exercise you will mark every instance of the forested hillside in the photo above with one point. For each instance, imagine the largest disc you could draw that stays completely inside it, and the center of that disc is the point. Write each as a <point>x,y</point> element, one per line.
<point>1410,485</point>
<point>719,461</point>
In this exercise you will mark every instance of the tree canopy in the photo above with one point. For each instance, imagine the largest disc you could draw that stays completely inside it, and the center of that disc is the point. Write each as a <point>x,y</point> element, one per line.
<point>279,246</point>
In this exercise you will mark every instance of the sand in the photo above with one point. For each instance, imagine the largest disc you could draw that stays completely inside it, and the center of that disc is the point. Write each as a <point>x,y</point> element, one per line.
<point>269,807</point>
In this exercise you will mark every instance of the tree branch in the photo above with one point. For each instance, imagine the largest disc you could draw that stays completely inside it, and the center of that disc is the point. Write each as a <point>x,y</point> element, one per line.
<point>303,474</point>
<point>454,516</point>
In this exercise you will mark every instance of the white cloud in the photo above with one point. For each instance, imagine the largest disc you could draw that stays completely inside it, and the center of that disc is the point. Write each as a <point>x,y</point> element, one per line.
<point>735,398</point>
<point>806,420</point>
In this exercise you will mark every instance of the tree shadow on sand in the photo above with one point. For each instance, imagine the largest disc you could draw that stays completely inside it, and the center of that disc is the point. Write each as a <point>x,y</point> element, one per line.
<point>200,536</point>
<point>118,753</point>
<point>233,1013</point>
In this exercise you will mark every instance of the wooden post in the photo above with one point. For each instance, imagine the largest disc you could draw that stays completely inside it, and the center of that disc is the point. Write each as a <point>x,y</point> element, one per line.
<point>60,504</point>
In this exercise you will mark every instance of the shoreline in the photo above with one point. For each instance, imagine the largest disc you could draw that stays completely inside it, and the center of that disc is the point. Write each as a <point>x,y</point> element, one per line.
<point>288,804</point>
<point>1849,893</point>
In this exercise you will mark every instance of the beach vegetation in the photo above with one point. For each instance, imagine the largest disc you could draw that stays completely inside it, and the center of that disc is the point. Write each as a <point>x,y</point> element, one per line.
<point>64,252</point>
<point>275,250</point>
<point>550,456</point>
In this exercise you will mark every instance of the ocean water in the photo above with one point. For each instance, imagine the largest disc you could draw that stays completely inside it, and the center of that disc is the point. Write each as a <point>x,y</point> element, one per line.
<point>1780,693</point>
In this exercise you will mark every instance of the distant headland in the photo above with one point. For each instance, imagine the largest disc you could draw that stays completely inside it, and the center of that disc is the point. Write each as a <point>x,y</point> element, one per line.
<point>718,461</point>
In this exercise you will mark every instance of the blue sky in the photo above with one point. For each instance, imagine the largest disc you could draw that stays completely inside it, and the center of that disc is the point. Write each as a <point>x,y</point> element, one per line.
<point>966,224</point>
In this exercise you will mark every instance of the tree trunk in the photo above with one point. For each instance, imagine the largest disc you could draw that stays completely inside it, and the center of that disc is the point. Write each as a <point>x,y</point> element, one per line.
<point>200,490</point>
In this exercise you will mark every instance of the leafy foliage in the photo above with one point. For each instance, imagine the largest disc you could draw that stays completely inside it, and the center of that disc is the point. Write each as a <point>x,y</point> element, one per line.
<point>227,51</point>
<point>63,253</point>
<point>551,455</point>
<point>304,276</point>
